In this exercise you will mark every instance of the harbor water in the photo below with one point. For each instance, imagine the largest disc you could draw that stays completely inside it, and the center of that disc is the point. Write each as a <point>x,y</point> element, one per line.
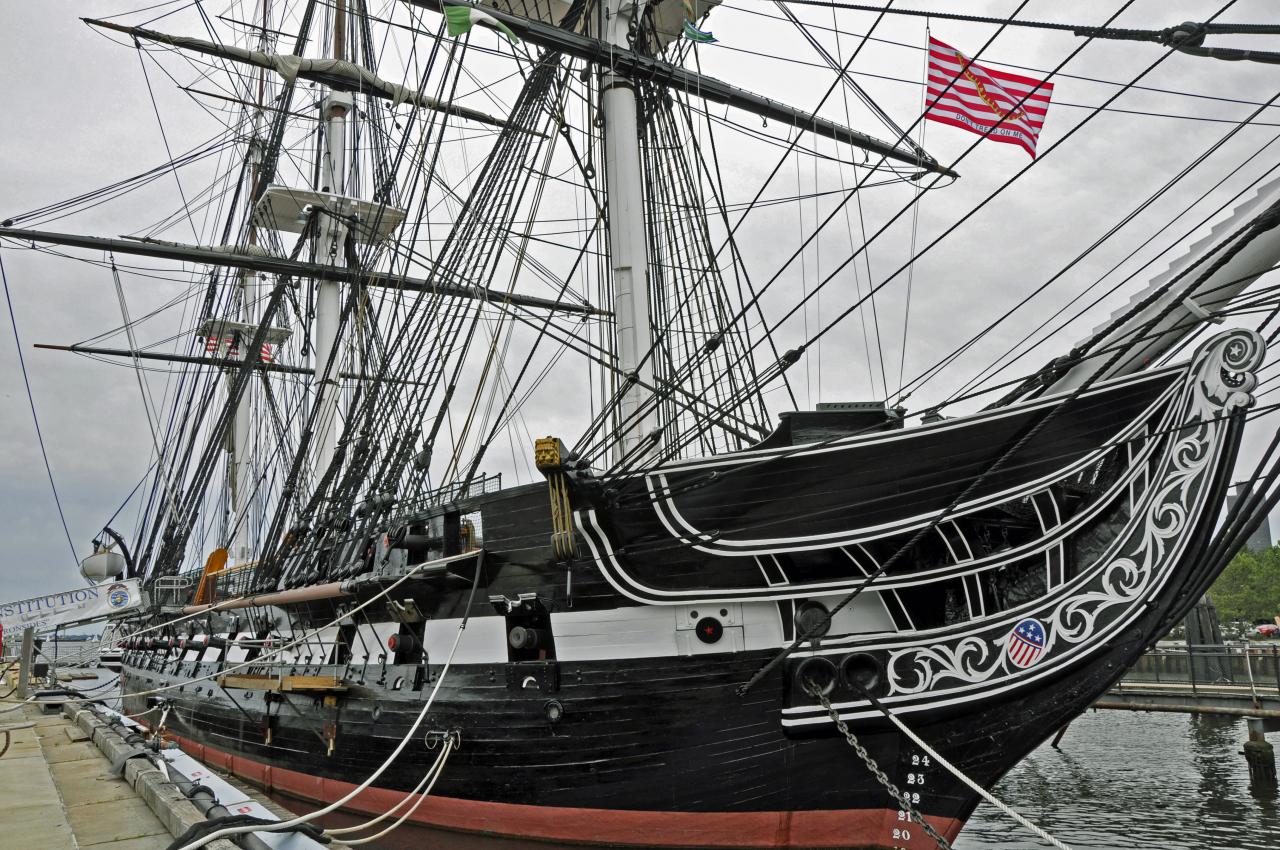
<point>1123,780</point>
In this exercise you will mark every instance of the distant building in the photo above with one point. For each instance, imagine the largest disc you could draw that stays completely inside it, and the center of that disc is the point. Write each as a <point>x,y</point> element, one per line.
<point>1261,537</point>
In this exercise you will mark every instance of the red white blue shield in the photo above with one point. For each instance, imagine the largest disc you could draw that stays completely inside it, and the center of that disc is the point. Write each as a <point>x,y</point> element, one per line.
<point>1026,643</point>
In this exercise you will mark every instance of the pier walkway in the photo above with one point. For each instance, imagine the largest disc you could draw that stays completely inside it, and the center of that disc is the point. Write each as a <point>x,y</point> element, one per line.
<point>1233,700</point>
<point>57,791</point>
<point>1237,680</point>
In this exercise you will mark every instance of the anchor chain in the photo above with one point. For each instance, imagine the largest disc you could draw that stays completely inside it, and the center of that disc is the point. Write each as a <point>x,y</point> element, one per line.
<point>880,775</point>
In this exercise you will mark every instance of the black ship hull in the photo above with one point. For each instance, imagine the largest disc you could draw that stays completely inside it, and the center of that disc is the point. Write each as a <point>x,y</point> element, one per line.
<point>633,742</point>
<point>623,724</point>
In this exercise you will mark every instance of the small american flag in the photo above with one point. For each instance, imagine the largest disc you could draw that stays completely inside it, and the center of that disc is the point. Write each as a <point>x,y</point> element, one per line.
<point>1026,643</point>
<point>979,98</point>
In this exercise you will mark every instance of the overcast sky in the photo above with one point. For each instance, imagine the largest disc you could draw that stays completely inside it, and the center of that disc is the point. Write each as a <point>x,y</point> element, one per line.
<point>78,116</point>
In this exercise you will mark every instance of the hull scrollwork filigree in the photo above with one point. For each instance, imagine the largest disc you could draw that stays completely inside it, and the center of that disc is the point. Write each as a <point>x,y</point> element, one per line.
<point>1109,592</point>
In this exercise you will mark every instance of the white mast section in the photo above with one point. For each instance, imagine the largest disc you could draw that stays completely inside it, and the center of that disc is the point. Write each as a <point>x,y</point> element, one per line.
<point>629,258</point>
<point>241,465</point>
<point>330,249</point>
<point>241,462</point>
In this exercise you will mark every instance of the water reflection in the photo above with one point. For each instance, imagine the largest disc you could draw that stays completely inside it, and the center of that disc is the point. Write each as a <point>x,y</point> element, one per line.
<point>1124,780</point>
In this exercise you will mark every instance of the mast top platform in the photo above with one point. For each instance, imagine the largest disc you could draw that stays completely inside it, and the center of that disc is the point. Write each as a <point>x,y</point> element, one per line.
<point>667,15</point>
<point>217,329</point>
<point>283,208</point>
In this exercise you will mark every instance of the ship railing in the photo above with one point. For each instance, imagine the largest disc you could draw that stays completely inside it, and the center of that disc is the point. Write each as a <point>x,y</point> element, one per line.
<point>174,591</point>
<point>1249,667</point>
<point>197,587</point>
<point>455,492</point>
<point>230,582</point>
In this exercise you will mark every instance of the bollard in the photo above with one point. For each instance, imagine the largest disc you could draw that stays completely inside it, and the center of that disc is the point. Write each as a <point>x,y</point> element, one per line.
<point>1260,756</point>
<point>24,663</point>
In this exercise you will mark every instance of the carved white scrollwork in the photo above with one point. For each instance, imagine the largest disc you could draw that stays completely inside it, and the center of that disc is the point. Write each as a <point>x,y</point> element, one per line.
<point>1109,593</point>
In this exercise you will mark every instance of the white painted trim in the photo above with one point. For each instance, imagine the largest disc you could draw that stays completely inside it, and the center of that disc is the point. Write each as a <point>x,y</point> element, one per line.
<point>889,582</point>
<point>670,517</point>
<point>689,464</point>
<point>1161,572</point>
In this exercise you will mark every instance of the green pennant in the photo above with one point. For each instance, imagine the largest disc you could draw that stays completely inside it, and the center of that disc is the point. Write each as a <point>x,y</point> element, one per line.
<point>462,18</point>
<point>694,34</point>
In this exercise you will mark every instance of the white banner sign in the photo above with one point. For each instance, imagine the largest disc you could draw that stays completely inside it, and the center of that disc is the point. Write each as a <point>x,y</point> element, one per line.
<point>71,606</point>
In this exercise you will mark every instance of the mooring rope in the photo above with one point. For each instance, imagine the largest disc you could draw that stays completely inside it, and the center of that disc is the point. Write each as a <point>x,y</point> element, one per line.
<point>434,774</point>
<point>931,753</point>
<point>880,776</point>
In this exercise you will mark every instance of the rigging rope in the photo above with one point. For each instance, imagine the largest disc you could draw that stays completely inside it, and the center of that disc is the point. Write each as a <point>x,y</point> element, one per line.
<point>1170,36</point>
<point>756,296</point>
<point>933,370</point>
<point>148,403</point>
<point>909,46</point>
<point>35,418</point>
<point>915,221</point>
<point>792,356</point>
<point>799,351</point>
<point>1229,248</point>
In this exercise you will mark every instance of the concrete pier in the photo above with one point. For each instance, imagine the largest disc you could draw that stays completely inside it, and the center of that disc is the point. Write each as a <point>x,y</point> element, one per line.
<point>57,789</point>
<point>57,792</point>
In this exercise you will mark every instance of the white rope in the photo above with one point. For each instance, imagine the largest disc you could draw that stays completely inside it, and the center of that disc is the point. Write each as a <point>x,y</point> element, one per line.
<point>426,777</point>
<point>157,732</point>
<point>983,792</point>
<point>339,803</point>
<point>133,716</point>
<point>439,769</point>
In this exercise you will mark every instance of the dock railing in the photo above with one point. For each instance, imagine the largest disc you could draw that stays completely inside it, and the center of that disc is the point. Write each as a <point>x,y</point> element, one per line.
<point>1234,680</point>
<point>1252,666</point>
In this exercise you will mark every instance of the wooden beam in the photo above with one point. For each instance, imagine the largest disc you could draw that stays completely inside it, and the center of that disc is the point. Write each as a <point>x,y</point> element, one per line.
<point>295,268</point>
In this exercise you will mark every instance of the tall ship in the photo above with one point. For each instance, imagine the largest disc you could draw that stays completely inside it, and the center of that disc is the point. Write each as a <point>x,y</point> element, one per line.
<point>477,458</point>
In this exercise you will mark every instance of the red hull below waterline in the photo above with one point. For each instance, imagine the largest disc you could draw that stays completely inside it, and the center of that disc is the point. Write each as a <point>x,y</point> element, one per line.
<point>847,828</point>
